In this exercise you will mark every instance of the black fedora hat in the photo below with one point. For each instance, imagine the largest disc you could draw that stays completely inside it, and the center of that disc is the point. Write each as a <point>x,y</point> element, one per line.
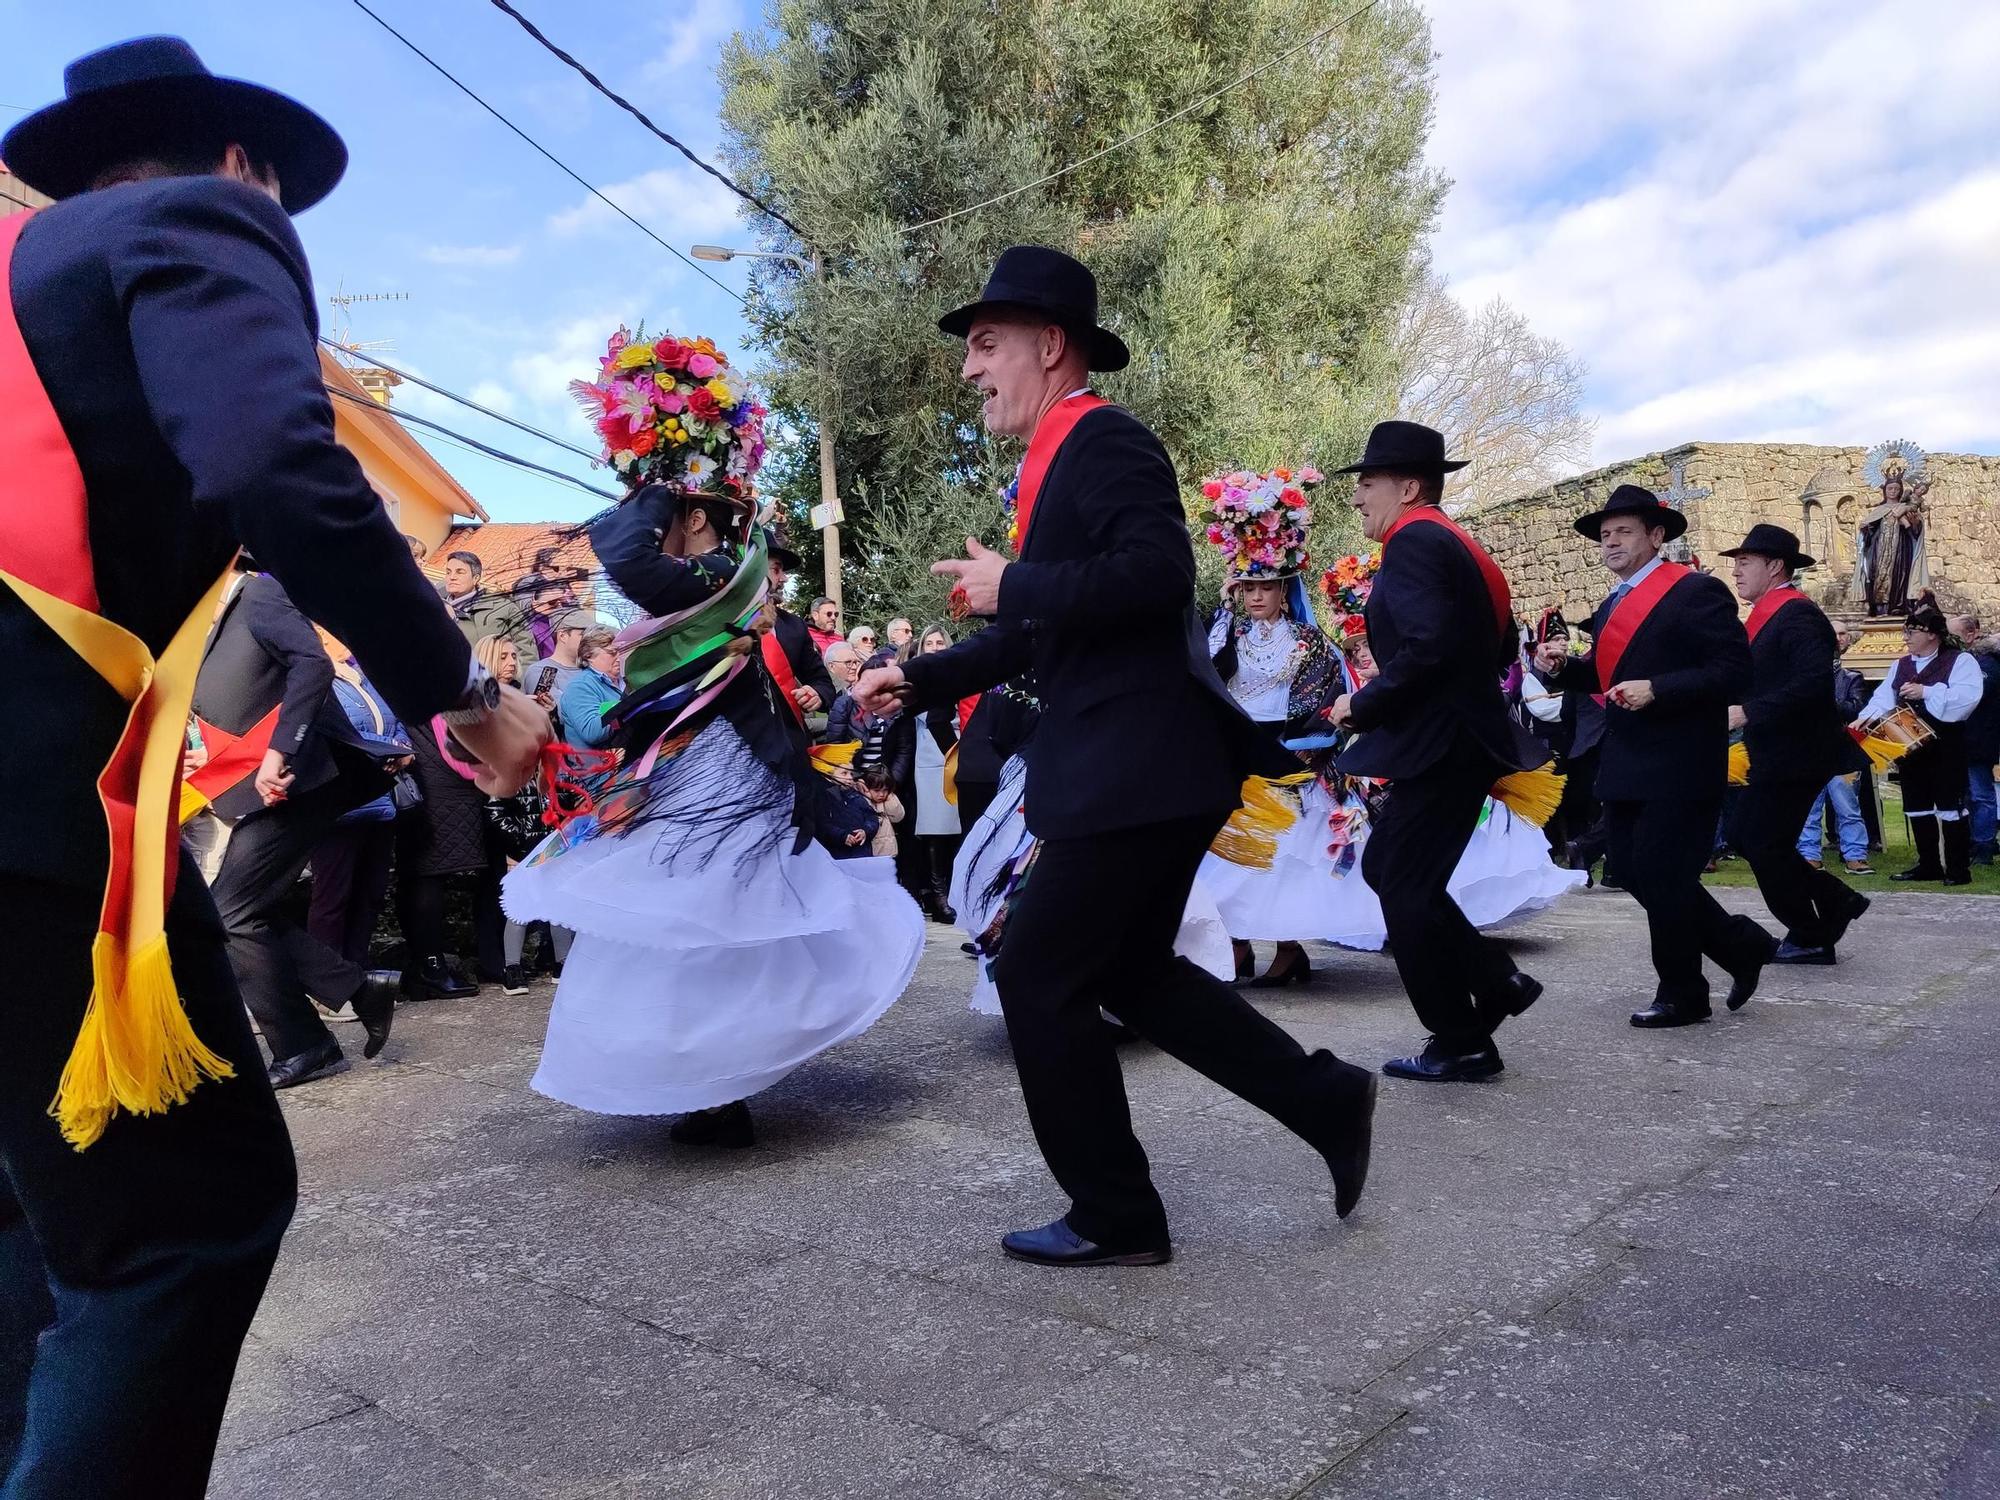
<point>1046,281</point>
<point>1405,448</point>
<point>1630,500</point>
<point>153,93</point>
<point>781,554</point>
<point>1766,540</point>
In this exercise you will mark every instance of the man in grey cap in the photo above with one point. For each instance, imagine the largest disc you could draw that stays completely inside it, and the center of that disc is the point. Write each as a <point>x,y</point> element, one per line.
<point>547,678</point>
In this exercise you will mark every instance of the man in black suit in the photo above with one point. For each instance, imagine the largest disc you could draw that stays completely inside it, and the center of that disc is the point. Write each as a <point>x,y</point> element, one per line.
<point>1796,737</point>
<point>813,688</point>
<point>1434,725</point>
<point>1669,657</point>
<point>267,674</point>
<point>1101,605</point>
<point>164,405</point>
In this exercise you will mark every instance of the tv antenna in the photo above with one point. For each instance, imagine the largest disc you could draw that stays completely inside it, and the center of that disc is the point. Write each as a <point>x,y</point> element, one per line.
<point>346,301</point>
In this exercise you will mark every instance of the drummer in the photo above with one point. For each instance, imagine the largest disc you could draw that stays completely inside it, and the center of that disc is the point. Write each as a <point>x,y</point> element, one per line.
<point>1938,680</point>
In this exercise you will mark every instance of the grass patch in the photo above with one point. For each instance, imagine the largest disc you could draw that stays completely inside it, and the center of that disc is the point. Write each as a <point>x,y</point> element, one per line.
<point>1897,855</point>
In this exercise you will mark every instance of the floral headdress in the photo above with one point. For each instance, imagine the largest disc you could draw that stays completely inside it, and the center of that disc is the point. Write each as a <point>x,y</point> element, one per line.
<point>1345,586</point>
<point>1259,521</point>
<point>670,411</point>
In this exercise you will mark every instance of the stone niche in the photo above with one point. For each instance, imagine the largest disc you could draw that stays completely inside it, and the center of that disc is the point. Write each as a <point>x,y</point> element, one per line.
<point>1725,488</point>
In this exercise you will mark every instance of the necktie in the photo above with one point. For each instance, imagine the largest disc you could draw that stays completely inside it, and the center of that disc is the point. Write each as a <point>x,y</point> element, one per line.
<point>1616,594</point>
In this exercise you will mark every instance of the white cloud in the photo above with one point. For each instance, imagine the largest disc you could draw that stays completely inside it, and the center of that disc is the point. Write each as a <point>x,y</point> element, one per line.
<point>680,204</point>
<point>691,36</point>
<point>474,256</point>
<point>1753,219</point>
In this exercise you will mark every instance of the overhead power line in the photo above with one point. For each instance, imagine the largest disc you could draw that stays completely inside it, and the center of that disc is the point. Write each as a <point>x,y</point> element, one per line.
<point>636,113</point>
<point>22,201</point>
<point>470,442</point>
<point>1138,135</point>
<point>467,401</point>
<point>555,160</point>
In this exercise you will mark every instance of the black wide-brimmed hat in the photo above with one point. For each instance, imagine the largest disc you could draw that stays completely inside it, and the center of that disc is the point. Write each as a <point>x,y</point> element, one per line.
<point>781,554</point>
<point>153,93</point>
<point>1766,540</point>
<point>1405,448</point>
<point>1630,500</point>
<point>1045,281</point>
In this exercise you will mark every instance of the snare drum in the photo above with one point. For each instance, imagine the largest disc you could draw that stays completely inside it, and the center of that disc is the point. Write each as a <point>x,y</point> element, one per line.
<point>1902,726</point>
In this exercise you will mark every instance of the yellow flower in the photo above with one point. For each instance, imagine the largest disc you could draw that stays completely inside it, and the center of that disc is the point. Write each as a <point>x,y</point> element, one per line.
<point>632,356</point>
<point>719,388</point>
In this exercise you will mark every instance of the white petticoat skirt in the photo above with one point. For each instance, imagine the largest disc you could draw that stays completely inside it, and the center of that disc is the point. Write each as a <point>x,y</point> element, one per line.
<point>704,971</point>
<point>1504,875</point>
<point>1000,837</point>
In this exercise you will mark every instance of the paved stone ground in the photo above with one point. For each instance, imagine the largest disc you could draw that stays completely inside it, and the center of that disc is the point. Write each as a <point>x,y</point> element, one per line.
<point>1759,1257</point>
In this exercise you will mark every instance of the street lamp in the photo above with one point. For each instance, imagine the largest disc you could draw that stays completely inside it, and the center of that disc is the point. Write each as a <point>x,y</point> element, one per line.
<point>829,494</point>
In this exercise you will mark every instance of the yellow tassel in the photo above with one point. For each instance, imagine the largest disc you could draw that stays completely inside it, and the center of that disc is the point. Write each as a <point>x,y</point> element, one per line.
<point>1739,764</point>
<point>1882,753</point>
<point>1532,796</point>
<point>1269,809</point>
<point>135,1050</point>
<point>951,774</point>
<point>192,802</point>
<point>826,757</point>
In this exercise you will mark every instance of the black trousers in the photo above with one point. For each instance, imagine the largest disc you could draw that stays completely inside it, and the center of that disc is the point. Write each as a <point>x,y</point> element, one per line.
<point>1805,900</point>
<point>1578,818</point>
<point>1935,778</point>
<point>350,881</point>
<point>279,964</point>
<point>1094,926</point>
<point>1418,840</point>
<point>155,1242</point>
<point>1658,850</point>
<point>421,908</point>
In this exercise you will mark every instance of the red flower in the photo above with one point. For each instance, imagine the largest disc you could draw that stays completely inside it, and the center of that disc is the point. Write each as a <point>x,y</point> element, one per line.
<point>1292,497</point>
<point>702,406</point>
<point>644,441</point>
<point>671,352</point>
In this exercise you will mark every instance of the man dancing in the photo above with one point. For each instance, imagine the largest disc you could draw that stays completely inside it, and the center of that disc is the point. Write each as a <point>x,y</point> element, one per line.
<point>1435,725</point>
<point>1795,734</point>
<point>1103,539</point>
<point>1669,657</point>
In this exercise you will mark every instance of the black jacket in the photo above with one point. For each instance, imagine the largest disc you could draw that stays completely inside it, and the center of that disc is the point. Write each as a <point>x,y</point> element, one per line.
<point>1850,691</point>
<point>999,726</point>
<point>891,742</point>
<point>1693,651</point>
<point>1982,730</point>
<point>806,662</point>
<point>1101,606</point>
<point>172,324</point>
<point>1793,727</point>
<point>1576,731</point>
<point>264,654</point>
<point>1432,632</point>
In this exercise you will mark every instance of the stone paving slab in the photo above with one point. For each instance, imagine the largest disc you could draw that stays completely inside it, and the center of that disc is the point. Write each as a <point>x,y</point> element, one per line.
<point>1759,1257</point>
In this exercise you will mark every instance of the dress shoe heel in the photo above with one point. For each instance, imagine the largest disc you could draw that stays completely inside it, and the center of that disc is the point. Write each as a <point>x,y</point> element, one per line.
<point>323,1061</point>
<point>375,1008</point>
<point>728,1126</point>
<point>1660,1015</point>
<point>1056,1244</point>
<point>1296,969</point>
<point>1438,1063</point>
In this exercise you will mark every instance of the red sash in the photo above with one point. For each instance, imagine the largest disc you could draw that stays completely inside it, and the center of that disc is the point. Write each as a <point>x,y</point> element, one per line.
<point>1489,570</point>
<point>232,757</point>
<point>780,668</point>
<point>1042,447</point>
<point>1626,619</point>
<point>1773,601</point>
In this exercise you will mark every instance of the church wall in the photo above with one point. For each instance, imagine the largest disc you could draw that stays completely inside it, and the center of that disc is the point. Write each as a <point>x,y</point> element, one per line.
<point>1816,492</point>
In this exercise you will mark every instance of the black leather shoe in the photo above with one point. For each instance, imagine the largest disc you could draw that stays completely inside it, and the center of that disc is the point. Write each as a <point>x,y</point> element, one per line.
<point>1743,982</point>
<point>513,980</point>
<point>434,979</point>
<point>1857,906</point>
<point>322,1061</point>
<point>728,1126</point>
<point>1790,952</point>
<point>375,1008</point>
<point>1918,872</point>
<point>1058,1245</point>
<point>1349,1132</point>
<point>1660,1014</point>
<point>1436,1064</point>
<point>1290,966</point>
<point>1515,996</point>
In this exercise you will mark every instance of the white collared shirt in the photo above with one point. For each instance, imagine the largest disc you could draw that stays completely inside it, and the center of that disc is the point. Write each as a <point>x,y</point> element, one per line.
<point>1951,701</point>
<point>1640,577</point>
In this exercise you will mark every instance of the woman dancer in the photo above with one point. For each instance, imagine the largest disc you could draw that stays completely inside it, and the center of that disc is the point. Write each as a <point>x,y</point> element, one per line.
<point>1268,648</point>
<point>718,945</point>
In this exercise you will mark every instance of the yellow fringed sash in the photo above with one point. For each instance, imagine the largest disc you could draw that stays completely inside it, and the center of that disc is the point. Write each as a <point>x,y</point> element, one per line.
<point>1269,808</point>
<point>1532,796</point>
<point>135,1050</point>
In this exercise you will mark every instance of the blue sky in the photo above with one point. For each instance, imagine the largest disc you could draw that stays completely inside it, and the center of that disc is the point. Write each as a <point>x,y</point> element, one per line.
<point>1752,219</point>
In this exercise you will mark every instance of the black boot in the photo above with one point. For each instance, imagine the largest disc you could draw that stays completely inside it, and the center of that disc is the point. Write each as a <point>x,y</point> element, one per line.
<point>1957,852</point>
<point>1924,834</point>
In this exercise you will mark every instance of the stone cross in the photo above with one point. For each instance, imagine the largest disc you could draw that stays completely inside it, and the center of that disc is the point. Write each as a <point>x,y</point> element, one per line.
<point>1677,494</point>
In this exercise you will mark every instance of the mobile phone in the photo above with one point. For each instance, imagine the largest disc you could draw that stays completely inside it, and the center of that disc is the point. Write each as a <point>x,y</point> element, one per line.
<point>546,680</point>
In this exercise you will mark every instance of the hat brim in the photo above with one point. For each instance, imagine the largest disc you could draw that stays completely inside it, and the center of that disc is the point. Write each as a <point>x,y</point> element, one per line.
<point>61,149</point>
<point>1407,466</point>
<point>1665,516</point>
<point>787,559</point>
<point>1799,561</point>
<point>1106,351</point>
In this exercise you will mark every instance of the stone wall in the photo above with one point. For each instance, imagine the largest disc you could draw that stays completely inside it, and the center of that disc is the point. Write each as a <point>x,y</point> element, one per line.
<point>1815,492</point>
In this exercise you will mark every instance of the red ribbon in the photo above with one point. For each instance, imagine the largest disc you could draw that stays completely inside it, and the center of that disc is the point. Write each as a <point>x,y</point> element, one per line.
<point>1489,570</point>
<point>1629,615</point>
<point>1773,601</point>
<point>1050,433</point>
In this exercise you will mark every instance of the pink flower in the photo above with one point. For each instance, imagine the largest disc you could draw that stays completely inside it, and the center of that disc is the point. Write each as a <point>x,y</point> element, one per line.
<point>673,403</point>
<point>701,366</point>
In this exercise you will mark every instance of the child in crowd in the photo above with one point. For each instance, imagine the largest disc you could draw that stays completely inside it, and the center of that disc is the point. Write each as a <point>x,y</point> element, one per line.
<point>879,783</point>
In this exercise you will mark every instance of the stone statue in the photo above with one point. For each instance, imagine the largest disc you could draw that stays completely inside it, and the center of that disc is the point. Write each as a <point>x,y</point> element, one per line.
<point>1892,564</point>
